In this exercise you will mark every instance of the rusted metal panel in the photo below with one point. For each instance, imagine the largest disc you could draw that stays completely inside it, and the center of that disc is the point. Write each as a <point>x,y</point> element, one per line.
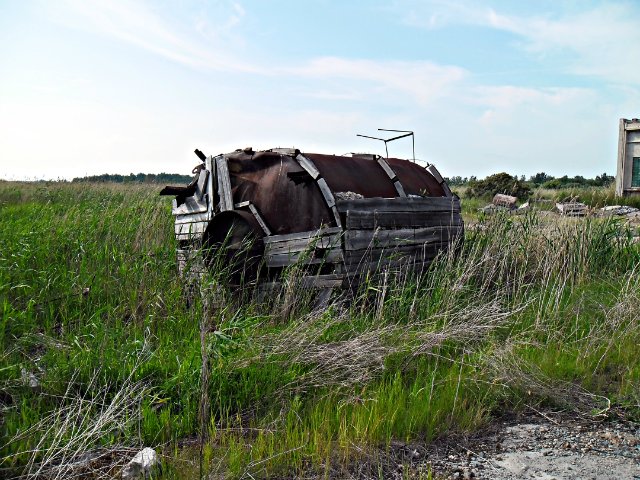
<point>354,174</point>
<point>415,179</point>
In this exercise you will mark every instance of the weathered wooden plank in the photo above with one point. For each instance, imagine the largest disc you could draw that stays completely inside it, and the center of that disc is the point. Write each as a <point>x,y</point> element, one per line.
<point>201,186</point>
<point>254,211</point>
<point>306,258</point>
<point>326,192</point>
<point>399,188</point>
<point>194,217</point>
<point>322,281</point>
<point>416,252</point>
<point>336,216</point>
<point>191,205</point>
<point>302,244</point>
<point>387,169</point>
<point>259,219</point>
<point>436,174</point>
<point>194,228</point>
<point>425,204</point>
<point>393,265</point>
<point>317,281</point>
<point>308,165</point>
<point>301,235</point>
<point>362,239</point>
<point>224,184</point>
<point>363,219</point>
<point>212,183</point>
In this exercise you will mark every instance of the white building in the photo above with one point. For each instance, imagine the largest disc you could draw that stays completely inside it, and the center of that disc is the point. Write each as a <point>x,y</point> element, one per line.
<point>628,176</point>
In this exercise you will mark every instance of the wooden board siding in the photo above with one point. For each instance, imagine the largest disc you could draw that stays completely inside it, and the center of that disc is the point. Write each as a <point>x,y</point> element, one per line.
<point>191,205</point>
<point>426,204</point>
<point>190,231</point>
<point>379,238</point>
<point>224,184</point>
<point>366,219</point>
<point>312,247</point>
<point>309,257</point>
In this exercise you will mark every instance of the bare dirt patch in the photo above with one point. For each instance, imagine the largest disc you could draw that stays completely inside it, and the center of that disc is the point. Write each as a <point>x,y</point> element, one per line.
<point>546,446</point>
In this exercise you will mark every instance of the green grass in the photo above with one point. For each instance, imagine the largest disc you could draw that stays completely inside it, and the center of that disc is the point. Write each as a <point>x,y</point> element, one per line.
<point>534,311</point>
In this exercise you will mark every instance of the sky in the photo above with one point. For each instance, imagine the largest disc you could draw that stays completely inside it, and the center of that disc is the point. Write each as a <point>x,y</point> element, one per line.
<point>91,87</point>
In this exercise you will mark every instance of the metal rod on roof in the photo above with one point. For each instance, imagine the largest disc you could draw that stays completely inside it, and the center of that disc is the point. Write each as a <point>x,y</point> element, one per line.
<point>377,138</point>
<point>408,132</point>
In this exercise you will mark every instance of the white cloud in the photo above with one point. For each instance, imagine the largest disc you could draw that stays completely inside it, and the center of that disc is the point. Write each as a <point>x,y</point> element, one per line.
<point>603,41</point>
<point>421,81</point>
<point>139,24</point>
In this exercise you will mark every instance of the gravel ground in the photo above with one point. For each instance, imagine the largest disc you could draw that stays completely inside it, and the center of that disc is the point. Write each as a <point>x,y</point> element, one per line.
<point>543,446</point>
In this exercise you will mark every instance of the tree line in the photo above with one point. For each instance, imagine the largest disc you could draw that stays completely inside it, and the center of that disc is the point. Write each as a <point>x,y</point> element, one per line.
<point>136,178</point>
<point>521,186</point>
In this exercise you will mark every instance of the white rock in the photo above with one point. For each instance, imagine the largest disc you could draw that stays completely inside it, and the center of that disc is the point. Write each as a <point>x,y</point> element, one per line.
<point>141,466</point>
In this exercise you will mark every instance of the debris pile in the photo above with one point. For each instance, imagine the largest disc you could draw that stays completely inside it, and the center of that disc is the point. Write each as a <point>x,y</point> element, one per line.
<point>572,208</point>
<point>620,210</point>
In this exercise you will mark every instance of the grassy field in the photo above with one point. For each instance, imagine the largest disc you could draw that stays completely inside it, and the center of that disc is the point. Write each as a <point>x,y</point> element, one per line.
<point>99,354</point>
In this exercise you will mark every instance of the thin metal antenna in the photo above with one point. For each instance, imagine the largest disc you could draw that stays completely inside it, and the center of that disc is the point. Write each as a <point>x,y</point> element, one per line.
<point>407,133</point>
<point>376,138</point>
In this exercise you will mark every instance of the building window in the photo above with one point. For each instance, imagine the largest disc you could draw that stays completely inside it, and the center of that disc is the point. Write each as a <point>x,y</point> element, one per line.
<point>635,172</point>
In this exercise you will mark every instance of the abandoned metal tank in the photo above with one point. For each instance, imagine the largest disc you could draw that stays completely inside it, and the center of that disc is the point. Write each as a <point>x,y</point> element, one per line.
<point>337,216</point>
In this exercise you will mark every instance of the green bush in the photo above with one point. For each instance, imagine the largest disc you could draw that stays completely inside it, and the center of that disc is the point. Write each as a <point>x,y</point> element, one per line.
<point>499,183</point>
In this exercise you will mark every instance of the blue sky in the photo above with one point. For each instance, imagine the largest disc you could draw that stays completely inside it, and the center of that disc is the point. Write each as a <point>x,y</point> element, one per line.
<point>133,86</point>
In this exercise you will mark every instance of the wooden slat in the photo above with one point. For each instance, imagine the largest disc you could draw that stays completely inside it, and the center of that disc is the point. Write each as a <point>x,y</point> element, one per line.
<point>307,258</point>
<point>363,239</point>
<point>212,183</point>
<point>201,186</point>
<point>436,174</point>
<point>363,219</point>
<point>387,169</point>
<point>336,216</point>
<point>190,218</point>
<point>426,204</point>
<point>254,211</point>
<point>326,192</point>
<point>415,252</point>
<point>302,244</point>
<point>224,184</point>
<point>323,281</point>
<point>402,264</point>
<point>195,228</point>
<point>308,165</point>
<point>317,281</point>
<point>259,219</point>
<point>307,234</point>
<point>399,188</point>
<point>191,205</point>
<point>392,175</point>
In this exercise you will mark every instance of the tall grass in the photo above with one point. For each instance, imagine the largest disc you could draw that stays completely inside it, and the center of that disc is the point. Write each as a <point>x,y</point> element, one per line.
<point>529,311</point>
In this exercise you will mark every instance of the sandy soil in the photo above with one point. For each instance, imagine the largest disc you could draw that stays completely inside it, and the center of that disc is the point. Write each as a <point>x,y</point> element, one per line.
<point>541,446</point>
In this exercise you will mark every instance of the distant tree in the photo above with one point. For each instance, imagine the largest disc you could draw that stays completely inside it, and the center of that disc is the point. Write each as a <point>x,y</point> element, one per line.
<point>136,178</point>
<point>499,183</point>
<point>540,178</point>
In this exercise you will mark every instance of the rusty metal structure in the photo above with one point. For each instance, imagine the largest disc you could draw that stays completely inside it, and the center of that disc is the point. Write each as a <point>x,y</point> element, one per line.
<point>338,216</point>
